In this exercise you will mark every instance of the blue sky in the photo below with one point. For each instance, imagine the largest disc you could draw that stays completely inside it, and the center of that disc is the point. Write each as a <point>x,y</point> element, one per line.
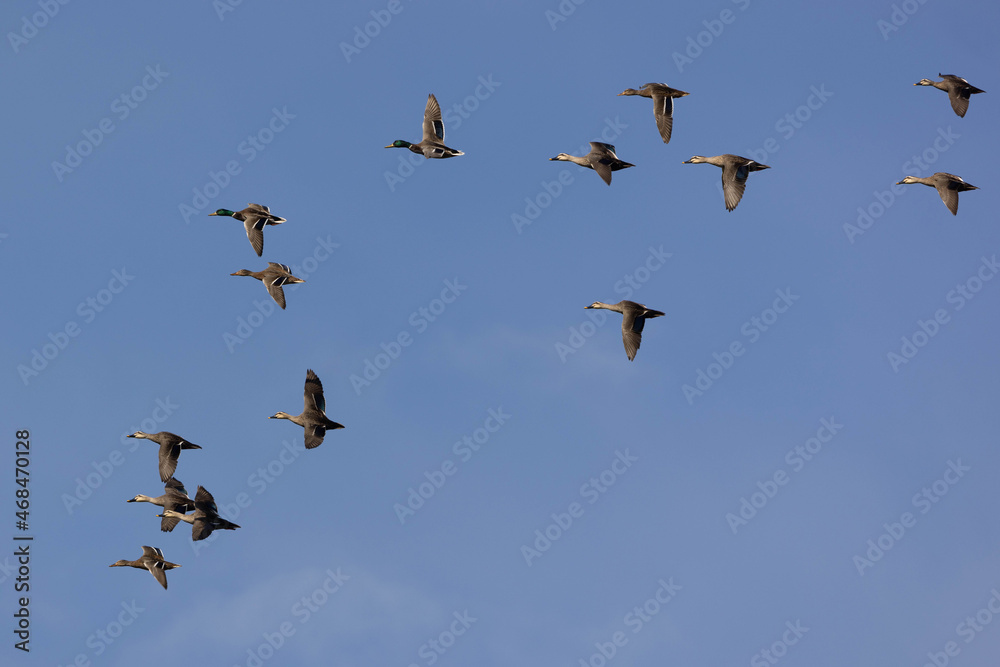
<point>563,487</point>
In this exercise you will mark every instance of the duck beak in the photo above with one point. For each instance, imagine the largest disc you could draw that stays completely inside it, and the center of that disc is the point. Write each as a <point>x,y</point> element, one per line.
<point>218,214</point>
<point>390,146</point>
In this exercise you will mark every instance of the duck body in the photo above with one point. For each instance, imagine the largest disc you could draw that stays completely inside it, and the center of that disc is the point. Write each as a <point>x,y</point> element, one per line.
<point>175,498</point>
<point>947,185</point>
<point>634,316</point>
<point>735,170</point>
<point>432,143</point>
<point>254,218</point>
<point>959,91</point>
<point>274,277</point>
<point>151,560</point>
<point>205,519</point>
<point>601,159</point>
<point>313,418</point>
<point>170,449</point>
<point>663,105</point>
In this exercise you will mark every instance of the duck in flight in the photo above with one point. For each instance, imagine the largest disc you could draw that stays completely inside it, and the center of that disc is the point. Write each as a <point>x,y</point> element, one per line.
<point>432,143</point>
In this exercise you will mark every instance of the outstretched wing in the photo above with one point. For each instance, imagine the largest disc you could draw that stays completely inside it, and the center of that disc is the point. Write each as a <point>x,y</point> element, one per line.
<point>632,332</point>
<point>314,435</point>
<point>734,182</point>
<point>949,195</point>
<point>205,502</point>
<point>273,285</point>
<point>433,125</point>
<point>254,225</point>
<point>959,97</point>
<point>663,110</point>
<point>156,569</point>
<point>314,393</point>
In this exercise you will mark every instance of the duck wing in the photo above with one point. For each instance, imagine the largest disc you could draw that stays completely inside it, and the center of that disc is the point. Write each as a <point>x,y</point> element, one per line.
<point>949,194</point>
<point>632,325</point>
<point>433,125</point>
<point>169,452</point>
<point>201,528</point>
<point>663,111</point>
<point>602,157</point>
<point>959,97</point>
<point>273,284</point>
<point>156,569</point>
<point>254,224</point>
<point>314,435</point>
<point>313,396</point>
<point>734,182</point>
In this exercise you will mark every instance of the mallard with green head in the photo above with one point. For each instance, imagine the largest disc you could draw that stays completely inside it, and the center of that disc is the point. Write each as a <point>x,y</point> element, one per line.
<point>254,218</point>
<point>432,144</point>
